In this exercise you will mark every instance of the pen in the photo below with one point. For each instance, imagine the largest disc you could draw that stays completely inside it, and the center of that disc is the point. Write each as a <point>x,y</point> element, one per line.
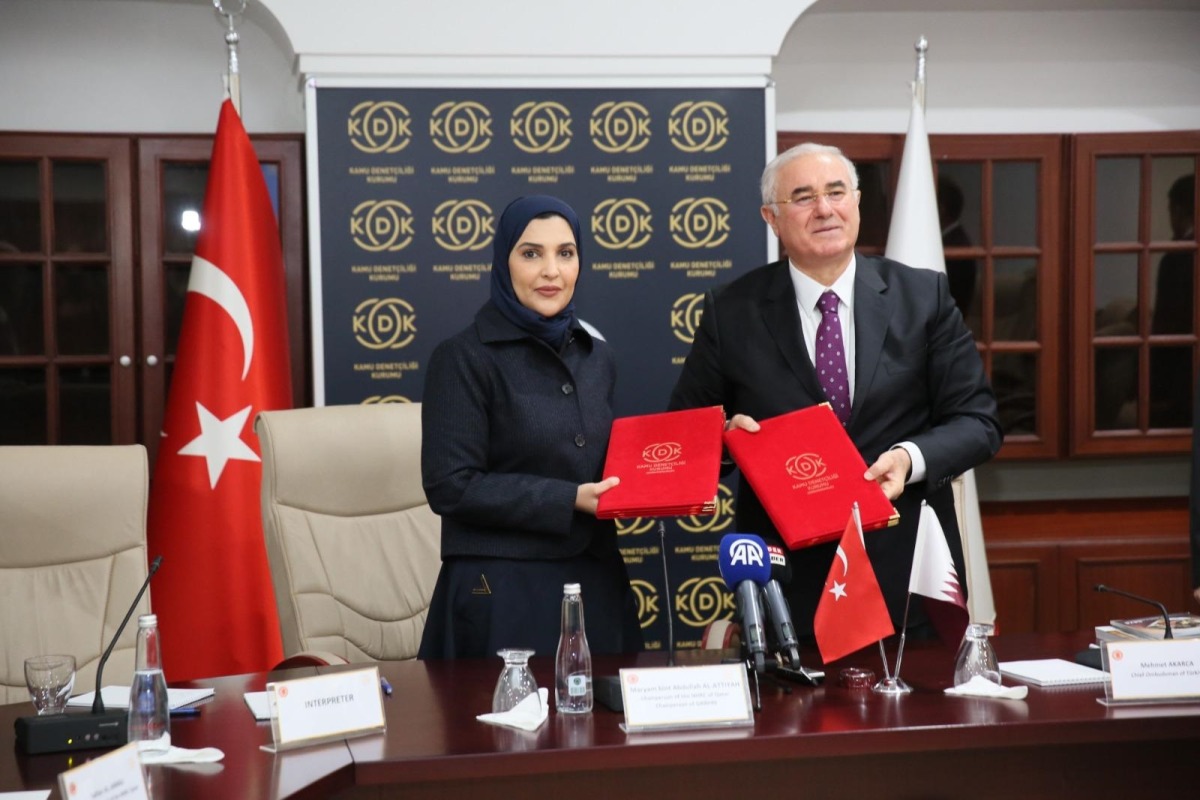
<point>188,711</point>
<point>387,687</point>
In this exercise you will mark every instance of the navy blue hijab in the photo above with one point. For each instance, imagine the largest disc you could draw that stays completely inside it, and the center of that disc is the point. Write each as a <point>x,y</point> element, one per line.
<point>514,220</point>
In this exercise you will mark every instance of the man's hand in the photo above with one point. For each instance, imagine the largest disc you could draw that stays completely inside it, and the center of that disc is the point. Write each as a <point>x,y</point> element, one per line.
<point>742,422</point>
<point>587,496</point>
<point>891,470</point>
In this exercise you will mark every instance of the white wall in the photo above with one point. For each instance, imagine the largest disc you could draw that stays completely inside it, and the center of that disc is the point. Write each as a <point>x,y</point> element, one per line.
<point>155,66</point>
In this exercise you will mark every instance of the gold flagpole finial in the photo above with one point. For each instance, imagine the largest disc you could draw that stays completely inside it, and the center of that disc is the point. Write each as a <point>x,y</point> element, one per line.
<point>233,78</point>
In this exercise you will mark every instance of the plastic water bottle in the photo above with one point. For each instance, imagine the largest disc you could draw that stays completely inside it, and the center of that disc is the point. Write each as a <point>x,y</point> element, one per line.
<point>149,714</point>
<point>573,662</point>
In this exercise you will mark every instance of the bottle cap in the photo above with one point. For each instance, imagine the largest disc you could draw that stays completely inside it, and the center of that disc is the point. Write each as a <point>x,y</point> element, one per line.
<point>570,588</point>
<point>148,620</point>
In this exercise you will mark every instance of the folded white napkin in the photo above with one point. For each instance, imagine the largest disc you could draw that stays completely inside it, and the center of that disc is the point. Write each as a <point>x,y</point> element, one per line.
<point>528,715</point>
<point>182,755</point>
<point>980,686</point>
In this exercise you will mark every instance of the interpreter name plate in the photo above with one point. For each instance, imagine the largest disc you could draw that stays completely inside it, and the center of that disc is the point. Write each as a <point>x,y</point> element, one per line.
<point>113,775</point>
<point>1153,670</point>
<point>671,698</point>
<point>324,708</point>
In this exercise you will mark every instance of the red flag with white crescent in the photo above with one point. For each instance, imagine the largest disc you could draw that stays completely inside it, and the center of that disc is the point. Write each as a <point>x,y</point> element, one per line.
<point>213,597</point>
<point>851,613</point>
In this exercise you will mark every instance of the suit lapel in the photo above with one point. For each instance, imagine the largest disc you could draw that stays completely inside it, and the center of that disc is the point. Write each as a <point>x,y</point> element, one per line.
<point>783,321</point>
<point>872,313</point>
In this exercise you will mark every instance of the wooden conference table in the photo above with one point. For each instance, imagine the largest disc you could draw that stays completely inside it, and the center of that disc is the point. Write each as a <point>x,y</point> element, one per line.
<point>826,742</point>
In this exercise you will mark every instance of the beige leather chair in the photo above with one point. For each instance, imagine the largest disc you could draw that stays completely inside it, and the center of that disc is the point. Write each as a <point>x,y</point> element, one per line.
<point>353,546</point>
<point>72,558</point>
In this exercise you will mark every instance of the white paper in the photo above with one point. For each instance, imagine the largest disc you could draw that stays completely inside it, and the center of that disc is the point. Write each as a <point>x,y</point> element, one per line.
<point>980,686</point>
<point>527,715</point>
<point>118,697</point>
<point>259,703</point>
<point>40,794</point>
<point>1052,672</point>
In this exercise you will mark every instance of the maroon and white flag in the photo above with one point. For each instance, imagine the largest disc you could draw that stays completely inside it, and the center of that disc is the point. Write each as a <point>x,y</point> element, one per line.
<point>934,577</point>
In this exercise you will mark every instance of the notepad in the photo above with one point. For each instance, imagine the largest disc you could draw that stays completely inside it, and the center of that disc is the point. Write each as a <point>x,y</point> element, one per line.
<point>118,697</point>
<point>1052,672</point>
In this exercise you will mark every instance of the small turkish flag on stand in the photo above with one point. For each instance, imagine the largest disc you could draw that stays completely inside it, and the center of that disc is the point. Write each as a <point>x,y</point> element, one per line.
<point>851,613</point>
<point>214,600</point>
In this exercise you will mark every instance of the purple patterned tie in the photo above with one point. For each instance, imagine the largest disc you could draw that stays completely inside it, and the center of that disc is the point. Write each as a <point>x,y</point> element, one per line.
<point>831,358</point>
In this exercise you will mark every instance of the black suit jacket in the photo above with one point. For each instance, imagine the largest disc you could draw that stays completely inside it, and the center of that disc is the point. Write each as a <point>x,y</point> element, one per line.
<point>918,378</point>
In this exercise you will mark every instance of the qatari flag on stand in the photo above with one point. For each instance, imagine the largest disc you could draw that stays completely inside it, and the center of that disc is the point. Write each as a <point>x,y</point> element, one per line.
<point>214,600</point>
<point>935,578</point>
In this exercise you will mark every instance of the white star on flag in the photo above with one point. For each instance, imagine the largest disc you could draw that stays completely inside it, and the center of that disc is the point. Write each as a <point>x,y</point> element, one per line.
<point>219,442</point>
<point>838,591</point>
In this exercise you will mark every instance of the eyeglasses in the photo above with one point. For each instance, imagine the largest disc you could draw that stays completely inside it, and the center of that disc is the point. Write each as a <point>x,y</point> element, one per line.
<point>835,198</point>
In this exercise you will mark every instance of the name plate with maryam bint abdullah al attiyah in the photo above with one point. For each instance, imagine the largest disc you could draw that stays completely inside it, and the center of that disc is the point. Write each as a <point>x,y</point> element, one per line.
<point>808,475</point>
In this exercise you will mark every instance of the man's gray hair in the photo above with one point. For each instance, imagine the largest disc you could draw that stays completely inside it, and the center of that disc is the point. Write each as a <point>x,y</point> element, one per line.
<point>770,176</point>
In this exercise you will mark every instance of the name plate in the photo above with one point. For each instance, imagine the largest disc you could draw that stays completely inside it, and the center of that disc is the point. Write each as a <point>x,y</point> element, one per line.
<point>113,775</point>
<point>1153,670</point>
<point>673,698</point>
<point>325,708</point>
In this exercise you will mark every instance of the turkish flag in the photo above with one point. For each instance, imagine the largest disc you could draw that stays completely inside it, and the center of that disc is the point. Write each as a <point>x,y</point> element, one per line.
<point>851,613</point>
<point>213,597</point>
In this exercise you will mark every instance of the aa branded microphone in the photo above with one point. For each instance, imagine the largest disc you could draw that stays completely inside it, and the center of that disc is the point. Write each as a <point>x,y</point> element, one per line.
<point>777,607</point>
<point>100,728</point>
<point>743,562</point>
<point>1100,587</point>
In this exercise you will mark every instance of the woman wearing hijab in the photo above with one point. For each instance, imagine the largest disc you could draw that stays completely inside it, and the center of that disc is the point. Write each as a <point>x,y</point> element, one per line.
<point>515,422</point>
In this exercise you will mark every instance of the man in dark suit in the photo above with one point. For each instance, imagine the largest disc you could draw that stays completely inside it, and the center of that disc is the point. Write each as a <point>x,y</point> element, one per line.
<point>920,408</point>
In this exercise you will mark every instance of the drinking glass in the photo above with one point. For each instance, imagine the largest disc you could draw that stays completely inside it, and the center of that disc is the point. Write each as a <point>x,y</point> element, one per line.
<point>516,680</point>
<point>50,680</point>
<point>976,657</point>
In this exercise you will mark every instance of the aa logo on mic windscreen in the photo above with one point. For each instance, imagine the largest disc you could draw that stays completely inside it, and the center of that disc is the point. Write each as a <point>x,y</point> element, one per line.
<point>382,399</point>
<point>621,223</point>
<point>620,127</point>
<point>698,127</point>
<point>540,127</point>
<point>461,127</point>
<point>805,466</point>
<point>647,601</point>
<point>699,601</point>
<point>382,225</point>
<point>460,225</point>
<point>634,526</point>
<point>685,316</point>
<point>721,519</point>
<point>379,127</point>
<point>697,222</point>
<point>746,552</point>
<point>388,323</point>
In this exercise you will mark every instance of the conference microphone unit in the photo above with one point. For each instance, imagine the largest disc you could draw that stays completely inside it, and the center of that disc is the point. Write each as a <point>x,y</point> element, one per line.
<point>742,559</point>
<point>1162,609</point>
<point>62,732</point>
<point>777,608</point>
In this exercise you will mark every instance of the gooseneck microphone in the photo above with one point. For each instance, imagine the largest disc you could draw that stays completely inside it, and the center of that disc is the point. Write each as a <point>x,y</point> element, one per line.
<point>742,559</point>
<point>1100,587</point>
<point>777,607</point>
<point>62,732</point>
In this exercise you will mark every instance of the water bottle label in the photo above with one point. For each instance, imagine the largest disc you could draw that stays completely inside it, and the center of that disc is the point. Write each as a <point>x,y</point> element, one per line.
<point>577,684</point>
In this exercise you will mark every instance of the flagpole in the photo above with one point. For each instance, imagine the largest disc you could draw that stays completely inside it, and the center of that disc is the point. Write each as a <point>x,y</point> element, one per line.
<point>854,512</point>
<point>233,78</point>
<point>922,48</point>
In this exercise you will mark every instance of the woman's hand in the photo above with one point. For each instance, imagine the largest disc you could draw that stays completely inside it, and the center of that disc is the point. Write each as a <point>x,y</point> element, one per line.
<point>587,496</point>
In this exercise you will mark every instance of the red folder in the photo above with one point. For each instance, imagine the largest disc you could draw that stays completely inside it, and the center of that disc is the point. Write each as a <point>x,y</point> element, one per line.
<point>668,464</point>
<point>808,475</point>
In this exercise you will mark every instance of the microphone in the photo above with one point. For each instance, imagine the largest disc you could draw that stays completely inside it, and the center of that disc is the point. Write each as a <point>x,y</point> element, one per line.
<point>100,728</point>
<point>1100,587</point>
<point>777,607</point>
<point>742,559</point>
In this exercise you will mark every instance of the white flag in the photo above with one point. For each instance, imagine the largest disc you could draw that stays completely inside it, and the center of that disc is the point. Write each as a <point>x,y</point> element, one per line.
<point>915,238</point>
<point>934,576</point>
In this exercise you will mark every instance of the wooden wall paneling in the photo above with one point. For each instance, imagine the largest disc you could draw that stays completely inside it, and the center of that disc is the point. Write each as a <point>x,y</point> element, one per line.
<point>1023,587</point>
<point>1157,569</point>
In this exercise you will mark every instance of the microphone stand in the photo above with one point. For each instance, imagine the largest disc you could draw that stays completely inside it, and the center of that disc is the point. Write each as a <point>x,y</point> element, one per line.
<point>1162,609</point>
<point>98,701</point>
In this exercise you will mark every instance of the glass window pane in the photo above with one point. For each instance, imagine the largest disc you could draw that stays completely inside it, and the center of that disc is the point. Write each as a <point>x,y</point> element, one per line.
<point>966,287</point>
<point>1014,379</point>
<point>1116,388</point>
<point>183,200</point>
<point>1173,288</point>
<point>1173,199</point>
<point>271,176</point>
<point>20,211</point>
<point>1014,203</point>
<point>175,283</point>
<point>1117,190</point>
<point>21,310</point>
<point>1116,294</point>
<point>874,180</point>
<point>1016,298</point>
<point>1171,382</point>
<point>23,406</point>
<point>85,405</point>
<point>959,191</point>
<point>80,209</point>
<point>81,309</point>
